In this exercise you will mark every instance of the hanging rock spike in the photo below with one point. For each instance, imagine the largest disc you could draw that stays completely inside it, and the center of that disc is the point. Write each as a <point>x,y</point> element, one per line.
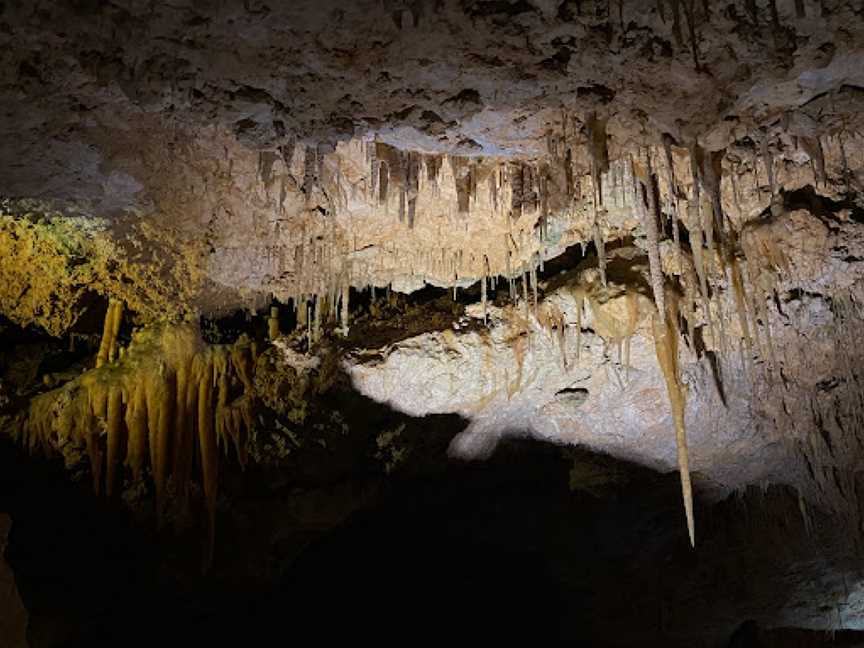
<point>666,346</point>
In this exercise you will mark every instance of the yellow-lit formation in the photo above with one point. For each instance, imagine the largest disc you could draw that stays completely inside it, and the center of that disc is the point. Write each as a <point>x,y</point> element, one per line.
<point>666,345</point>
<point>169,399</point>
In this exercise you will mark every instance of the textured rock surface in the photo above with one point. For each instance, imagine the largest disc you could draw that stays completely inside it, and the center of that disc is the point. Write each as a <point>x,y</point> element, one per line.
<point>217,123</point>
<point>749,421</point>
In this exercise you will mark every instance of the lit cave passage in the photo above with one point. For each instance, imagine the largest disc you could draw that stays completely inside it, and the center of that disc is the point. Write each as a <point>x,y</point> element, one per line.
<point>389,320</point>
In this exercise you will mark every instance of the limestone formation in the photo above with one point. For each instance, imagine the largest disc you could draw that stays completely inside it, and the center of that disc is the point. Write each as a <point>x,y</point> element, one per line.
<point>634,228</point>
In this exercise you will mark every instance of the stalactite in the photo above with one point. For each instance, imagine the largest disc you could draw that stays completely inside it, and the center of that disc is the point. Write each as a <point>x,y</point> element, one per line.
<point>533,277</point>
<point>762,312</point>
<point>317,303</point>
<point>114,423</point>
<point>844,160</point>
<point>483,296</point>
<point>699,264</point>
<point>711,175</point>
<point>273,323</point>
<point>813,148</point>
<point>666,345</point>
<point>345,312</point>
<point>690,15</point>
<point>721,324</point>
<point>752,308</point>
<point>183,442</point>
<point>673,194</point>
<point>649,224</point>
<point>136,423</point>
<point>97,410</point>
<point>690,291</point>
<point>203,370</point>
<point>579,306</point>
<point>676,22</point>
<point>600,244</point>
<point>302,313</point>
<point>111,328</point>
<point>733,180</point>
<point>164,421</point>
<point>599,155</point>
<point>740,299</point>
<point>768,160</point>
<point>462,176</point>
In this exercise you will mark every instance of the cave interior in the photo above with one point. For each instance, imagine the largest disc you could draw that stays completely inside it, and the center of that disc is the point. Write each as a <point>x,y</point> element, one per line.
<point>451,320</point>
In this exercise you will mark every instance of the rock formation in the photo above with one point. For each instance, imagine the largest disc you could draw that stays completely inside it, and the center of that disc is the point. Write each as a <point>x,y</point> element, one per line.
<point>627,227</point>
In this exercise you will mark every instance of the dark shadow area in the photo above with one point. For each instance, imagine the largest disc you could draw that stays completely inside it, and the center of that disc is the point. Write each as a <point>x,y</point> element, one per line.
<point>502,550</point>
<point>822,207</point>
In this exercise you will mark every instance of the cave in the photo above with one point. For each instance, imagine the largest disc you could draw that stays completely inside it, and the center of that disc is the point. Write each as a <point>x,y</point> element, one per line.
<point>432,320</point>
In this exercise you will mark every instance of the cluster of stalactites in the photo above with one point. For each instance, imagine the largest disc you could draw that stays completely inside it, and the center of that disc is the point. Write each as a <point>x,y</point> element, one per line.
<point>169,399</point>
<point>314,313</point>
<point>505,188</point>
<point>726,266</point>
<point>507,201</point>
<point>703,217</point>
